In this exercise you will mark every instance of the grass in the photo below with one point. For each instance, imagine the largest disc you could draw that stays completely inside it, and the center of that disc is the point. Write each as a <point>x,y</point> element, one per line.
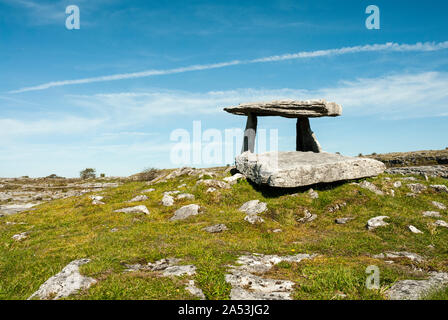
<point>64,230</point>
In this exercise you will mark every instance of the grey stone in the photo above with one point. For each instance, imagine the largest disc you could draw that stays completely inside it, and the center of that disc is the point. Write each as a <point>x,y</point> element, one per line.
<point>248,286</point>
<point>234,179</point>
<point>308,217</point>
<point>288,108</point>
<point>417,289</point>
<point>210,190</point>
<point>414,229</point>
<point>294,169</point>
<point>416,187</point>
<point>343,220</point>
<point>148,190</point>
<point>8,209</point>
<point>185,212</point>
<point>216,228</point>
<point>400,254</point>
<point>20,236</point>
<point>65,283</point>
<point>253,219</point>
<point>439,188</point>
<point>178,271</point>
<point>167,200</point>
<point>139,198</point>
<point>439,205</point>
<point>214,184</point>
<point>313,194</point>
<point>253,207</point>
<point>371,187</point>
<point>397,184</point>
<point>441,223</point>
<point>431,171</point>
<point>195,291</point>
<point>336,207</point>
<point>433,214</point>
<point>136,209</point>
<point>187,196</point>
<point>377,222</point>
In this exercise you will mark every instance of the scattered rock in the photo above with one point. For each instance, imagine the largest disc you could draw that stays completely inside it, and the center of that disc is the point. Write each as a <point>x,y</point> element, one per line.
<point>169,193</point>
<point>411,195</point>
<point>65,283</point>
<point>313,194</point>
<point>416,187</point>
<point>136,209</point>
<point>371,187</point>
<point>139,198</point>
<point>183,185</point>
<point>247,286</point>
<point>397,184</point>
<point>148,190</point>
<point>277,230</point>
<point>167,266</point>
<point>433,214</point>
<point>417,289</point>
<point>432,171</point>
<point>441,223</point>
<point>114,230</point>
<point>185,212</point>
<point>377,222</point>
<point>439,205</point>
<point>210,190</point>
<point>216,228</point>
<point>234,179</point>
<point>400,254</point>
<point>414,229</point>
<point>167,200</point>
<point>253,208</point>
<point>343,220</point>
<point>308,217</point>
<point>214,183</point>
<point>336,207</point>
<point>187,196</point>
<point>406,178</point>
<point>195,291</point>
<point>439,188</point>
<point>20,236</point>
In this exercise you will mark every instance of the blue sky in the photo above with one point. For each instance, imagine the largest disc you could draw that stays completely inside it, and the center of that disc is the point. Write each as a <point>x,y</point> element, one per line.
<point>175,62</point>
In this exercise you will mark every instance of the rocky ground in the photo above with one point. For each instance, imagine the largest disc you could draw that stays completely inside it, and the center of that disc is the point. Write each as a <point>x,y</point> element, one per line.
<point>210,234</point>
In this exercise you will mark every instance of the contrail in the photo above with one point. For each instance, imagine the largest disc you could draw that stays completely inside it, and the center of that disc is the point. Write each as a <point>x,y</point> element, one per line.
<point>390,46</point>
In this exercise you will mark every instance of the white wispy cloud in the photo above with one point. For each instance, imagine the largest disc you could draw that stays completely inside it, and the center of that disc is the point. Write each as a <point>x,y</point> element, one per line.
<point>387,47</point>
<point>398,95</point>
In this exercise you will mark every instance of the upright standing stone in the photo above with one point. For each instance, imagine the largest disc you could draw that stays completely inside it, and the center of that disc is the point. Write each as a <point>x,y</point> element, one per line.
<point>305,138</point>
<point>249,133</point>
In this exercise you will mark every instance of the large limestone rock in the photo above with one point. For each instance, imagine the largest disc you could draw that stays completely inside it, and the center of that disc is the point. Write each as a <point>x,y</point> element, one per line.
<point>289,108</point>
<point>295,168</point>
<point>65,283</point>
<point>417,289</point>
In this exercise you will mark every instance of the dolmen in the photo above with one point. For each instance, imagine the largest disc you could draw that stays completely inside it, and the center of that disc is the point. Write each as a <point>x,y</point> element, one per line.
<point>309,164</point>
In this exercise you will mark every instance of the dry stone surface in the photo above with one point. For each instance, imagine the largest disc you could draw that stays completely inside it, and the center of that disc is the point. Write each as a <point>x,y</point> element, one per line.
<point>65,283</point>
<point>417,289</point>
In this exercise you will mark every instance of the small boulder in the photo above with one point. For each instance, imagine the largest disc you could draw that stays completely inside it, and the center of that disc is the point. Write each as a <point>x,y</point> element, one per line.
<point>343,220</point>
<point>433,214</point>
<point>397,184</point>
<point>167,200</point>
<point>148,190</point>
<point>187,196</point>
<point>139,198</point>
<point>216,228</point>
<point>313,194</point>
<point>414,229</point>
<point>308,217</point>
<point>136,209</point>
<point>253,207</point>
<point>371,187</point>
<point>439,205</point>
<point>234,179</point>
<point>210,190</point>
<point>185,212</point>
<point>20,236</point>
<point>439,188</point>
<point>441,223</point>
<point>416,187</point>
<point>214,183</point>
<point>377,222</point>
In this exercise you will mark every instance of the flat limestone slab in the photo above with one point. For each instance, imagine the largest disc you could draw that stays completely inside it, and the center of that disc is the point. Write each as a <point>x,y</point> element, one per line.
<point>296,169</point>
<point>289,108</point>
